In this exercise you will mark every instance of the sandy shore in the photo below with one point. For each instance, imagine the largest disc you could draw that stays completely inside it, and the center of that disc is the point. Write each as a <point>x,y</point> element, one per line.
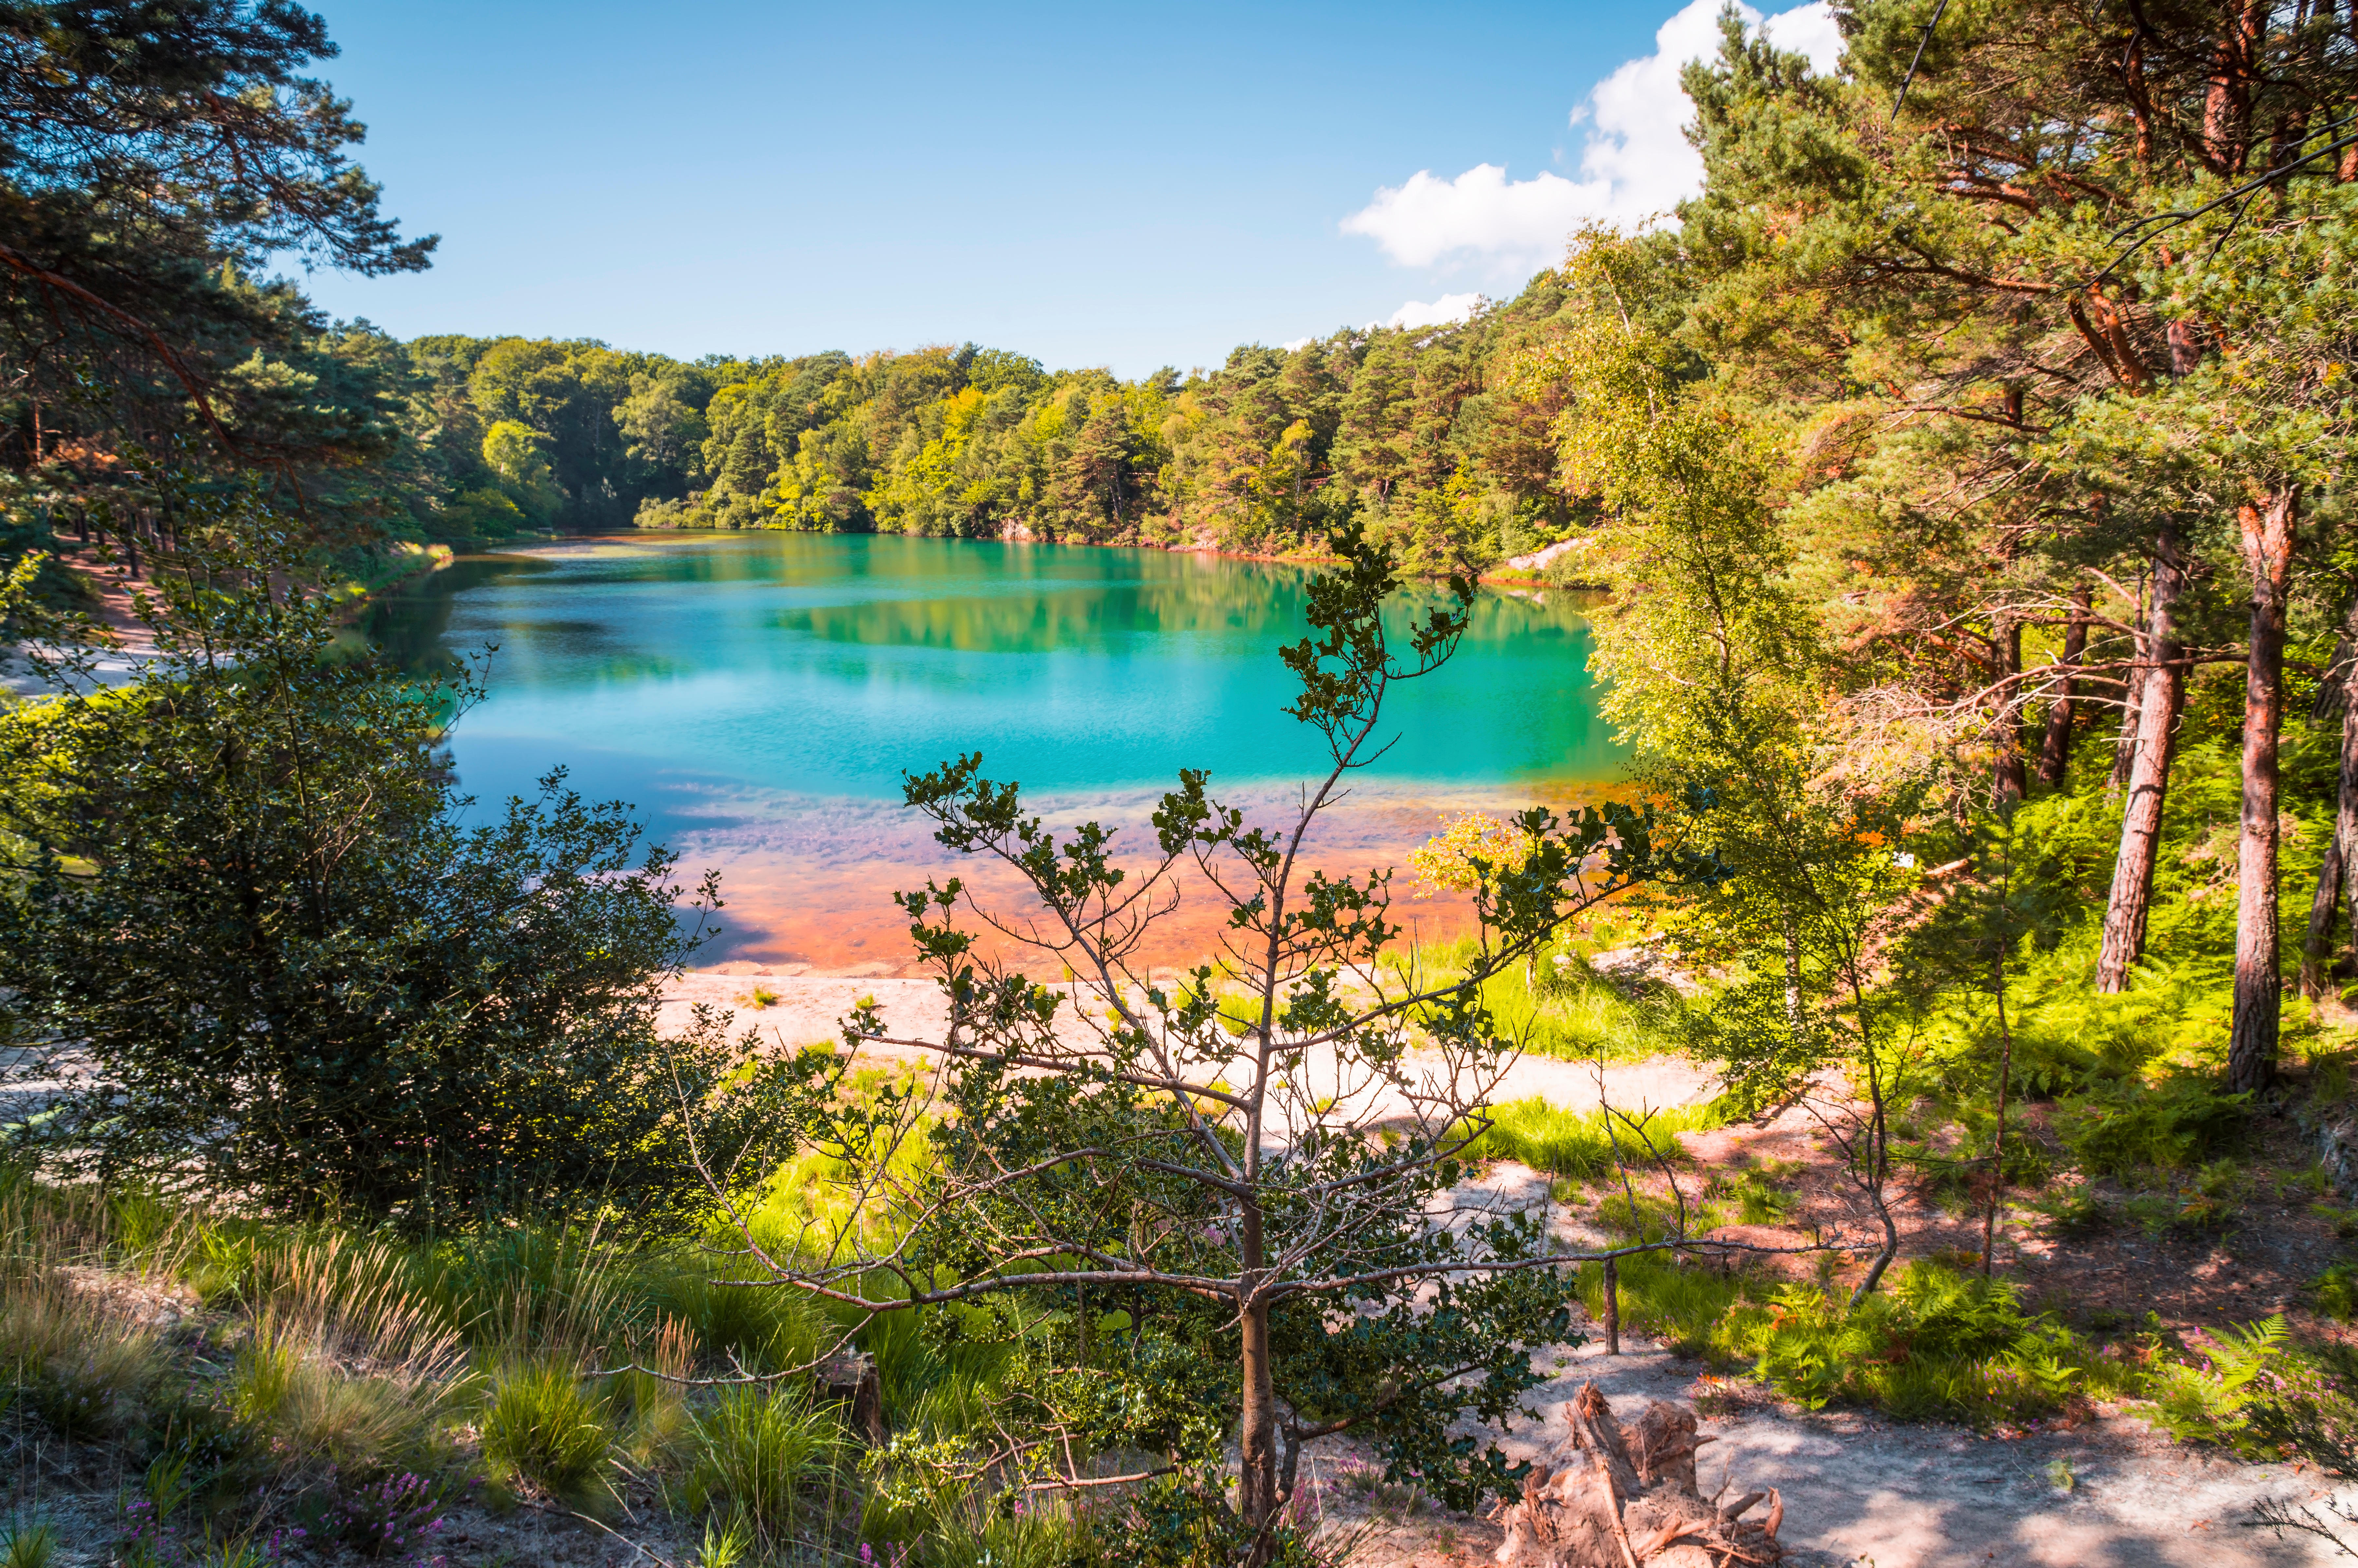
<point>808,1007</point>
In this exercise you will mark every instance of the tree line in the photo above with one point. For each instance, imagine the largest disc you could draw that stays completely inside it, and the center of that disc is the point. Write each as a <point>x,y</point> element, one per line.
<point>1983,419</point>
<point>138,317</point>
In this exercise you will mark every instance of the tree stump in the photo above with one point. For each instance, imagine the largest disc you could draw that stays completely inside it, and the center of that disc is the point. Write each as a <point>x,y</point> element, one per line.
<point>1622,1495</point>
<point>849,1379</point>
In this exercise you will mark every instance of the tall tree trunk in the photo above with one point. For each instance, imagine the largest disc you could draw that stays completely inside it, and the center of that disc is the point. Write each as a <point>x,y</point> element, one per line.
<point>2268,531</point>
<point>2133,691</point>
<point>1998,1147</point>
<point>2317,948</point>
<point>2227,98</point>
<point>2012,780</point>
<point>2347,170</point>
<point>2055,747</point>
<point>2333,875</point>
<point>2160,687</point>
<point>1258,1491</point>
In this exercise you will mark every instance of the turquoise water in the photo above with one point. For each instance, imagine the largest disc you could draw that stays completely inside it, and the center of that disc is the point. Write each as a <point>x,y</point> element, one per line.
<point>758,695</point>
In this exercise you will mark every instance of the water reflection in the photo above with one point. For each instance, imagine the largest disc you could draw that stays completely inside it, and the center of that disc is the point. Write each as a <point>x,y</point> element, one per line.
<point>760,696</point>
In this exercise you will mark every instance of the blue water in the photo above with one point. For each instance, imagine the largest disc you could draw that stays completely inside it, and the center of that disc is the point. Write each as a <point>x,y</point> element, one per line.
<point>759,694</point>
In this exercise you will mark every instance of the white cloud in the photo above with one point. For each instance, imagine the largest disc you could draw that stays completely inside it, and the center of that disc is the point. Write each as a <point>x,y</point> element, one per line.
<point>1296,343</point>
<point>1811,30</point>
<point>1448,308</point>
<point>1635,165</point>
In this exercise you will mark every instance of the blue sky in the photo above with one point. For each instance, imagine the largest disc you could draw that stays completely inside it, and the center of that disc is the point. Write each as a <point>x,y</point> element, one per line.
<point>1128,187</point>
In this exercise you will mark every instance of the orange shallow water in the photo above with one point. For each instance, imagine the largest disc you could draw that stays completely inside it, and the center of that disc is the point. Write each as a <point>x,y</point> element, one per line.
<point>815,891</point>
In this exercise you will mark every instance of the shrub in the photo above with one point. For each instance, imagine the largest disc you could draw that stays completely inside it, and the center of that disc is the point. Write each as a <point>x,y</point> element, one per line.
<point>757,1449</point>
<point>1757,1197</point>
<point>764,1329</point>
<point>2209,1404</point>
<point>288,1389</point>
<point>1559,1005</point>
<point>1935,1343</point>
<point>544,1427</point>
<point>1017,1531</point>
<point>2118,1128</point>
<point>2336,1292</point>
<point>2075,1213</point>
<point>395,1515</point>
<point>470,1005</point>
<point>2305,1402</point>
<point>538,1290</point>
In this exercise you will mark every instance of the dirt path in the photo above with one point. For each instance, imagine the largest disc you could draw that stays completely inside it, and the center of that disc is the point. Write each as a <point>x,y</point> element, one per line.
<point>1859,1487</point>
<point>1865,1492</point>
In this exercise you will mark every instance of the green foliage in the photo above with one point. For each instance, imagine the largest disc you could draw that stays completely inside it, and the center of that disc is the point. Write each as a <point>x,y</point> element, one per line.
<point>758,1450</point>
<point>289,1387</point>
<point>1557,1004</point>
<point>2212,1404</point>
<point>545,1426</point>
<point>1270,452</point>
<point>1758,1199</point>
<point>1936,1343</point>
<point>1015,1532</point>
<point>513,451</point>
<point>2335,1293</point>
<point>373,1007</point>
<point>202,153</point>
<point>1583,1144</point>
<point>2123,1127</point>
<point>2306,1404</point>
<point>1124,1177</point>
<point>27,1543</point>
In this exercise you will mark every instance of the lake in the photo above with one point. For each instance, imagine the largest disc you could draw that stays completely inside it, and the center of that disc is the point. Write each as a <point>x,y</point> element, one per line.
<point>758,695</point>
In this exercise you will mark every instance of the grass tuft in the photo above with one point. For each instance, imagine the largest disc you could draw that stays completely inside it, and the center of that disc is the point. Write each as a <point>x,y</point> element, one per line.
<point>544,1427</point>
<point>757,1450</point>
<point>27,1543</point>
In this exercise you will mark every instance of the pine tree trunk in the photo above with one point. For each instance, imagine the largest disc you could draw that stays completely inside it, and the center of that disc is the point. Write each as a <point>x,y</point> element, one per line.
<point>2159,687</point>
<point>2013,778</point>
<point>2316,951</point>
<point>2055,747</point>
<point>2125,748</point>
<point>2334,874</point>
<point>2267,534</point>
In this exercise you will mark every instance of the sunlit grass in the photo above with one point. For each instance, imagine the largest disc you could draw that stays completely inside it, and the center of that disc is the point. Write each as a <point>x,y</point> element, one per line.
<point>1557,1003</point>
<point>1583,1144</point>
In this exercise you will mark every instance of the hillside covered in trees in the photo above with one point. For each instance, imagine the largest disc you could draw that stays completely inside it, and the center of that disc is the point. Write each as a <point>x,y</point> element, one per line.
<point>1409,431</point>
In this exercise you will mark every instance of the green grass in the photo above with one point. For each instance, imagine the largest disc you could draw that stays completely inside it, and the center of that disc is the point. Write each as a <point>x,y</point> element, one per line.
<point>27,1543</point>
<point>546,1427</point>
<point>83,1373</point>
<point>1581,1145</point>
<point>758,1452</point>
<point>1557,1005</point>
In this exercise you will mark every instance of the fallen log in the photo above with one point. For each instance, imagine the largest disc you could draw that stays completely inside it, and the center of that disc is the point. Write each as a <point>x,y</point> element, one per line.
<point>1623,1494</point>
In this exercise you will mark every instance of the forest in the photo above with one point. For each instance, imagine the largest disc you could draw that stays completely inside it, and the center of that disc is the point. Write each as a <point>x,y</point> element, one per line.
<point>481,440</point>
<point>1955,485</point>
